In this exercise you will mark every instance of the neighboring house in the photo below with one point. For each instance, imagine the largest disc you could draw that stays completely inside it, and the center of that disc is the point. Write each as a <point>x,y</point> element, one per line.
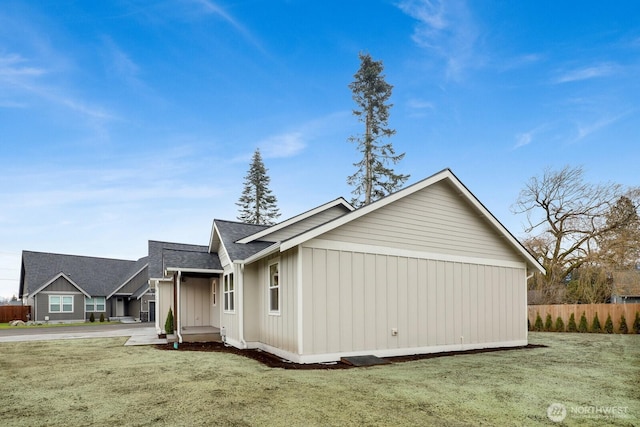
<point>427,269</point>
<point>626,287</point>
<point>69,288</point>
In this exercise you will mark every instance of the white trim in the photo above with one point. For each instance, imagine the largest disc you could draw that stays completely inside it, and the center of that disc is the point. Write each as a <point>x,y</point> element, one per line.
<point>300,302</point>
<point>235,343</point>
<point>408,253</point>
<point>192,270</point>
<point>62,304</point>
<point>127,281</point>
<point>225,277</point>
<point>56,277</point>
<point>263,253</point>
<point>240,285</point>
<point>94,305</point>
<point>270,312</point>
<point>308,214</point>
<point>440,176</point>
<point>178,308</point>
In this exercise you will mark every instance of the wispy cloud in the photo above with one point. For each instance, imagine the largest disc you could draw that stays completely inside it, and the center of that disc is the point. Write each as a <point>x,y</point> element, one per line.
<point>586,73</point>
<point>418,107</point>
<point>14,66</point>
<point>447,29</point>
<point>525,138</point>
<point>520,61</point>
<point>211,7</point>
<point>586,129</point>
<point>121,64</point>
<point>283,145</point>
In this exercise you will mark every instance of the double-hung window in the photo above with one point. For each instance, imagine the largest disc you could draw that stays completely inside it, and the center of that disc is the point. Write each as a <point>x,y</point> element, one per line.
<point>274,288</point>
<point>94,304</point>
<point>228,293</point>
<point>60,303</point>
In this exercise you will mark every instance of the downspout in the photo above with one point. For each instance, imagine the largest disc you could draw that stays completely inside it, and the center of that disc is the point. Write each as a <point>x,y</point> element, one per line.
<point>243,343</point>
<point>178,322</point>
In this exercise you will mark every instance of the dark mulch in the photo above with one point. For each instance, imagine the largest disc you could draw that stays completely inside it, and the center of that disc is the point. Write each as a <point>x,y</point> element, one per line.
<point>274,361</point>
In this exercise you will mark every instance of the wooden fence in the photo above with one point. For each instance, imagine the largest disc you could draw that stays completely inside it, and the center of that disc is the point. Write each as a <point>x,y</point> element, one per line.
<point>14,312</point>
<point>564,311</point>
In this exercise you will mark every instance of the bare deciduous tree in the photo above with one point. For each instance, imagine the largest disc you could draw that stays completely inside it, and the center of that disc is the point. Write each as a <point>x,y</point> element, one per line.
<point>566,217</point>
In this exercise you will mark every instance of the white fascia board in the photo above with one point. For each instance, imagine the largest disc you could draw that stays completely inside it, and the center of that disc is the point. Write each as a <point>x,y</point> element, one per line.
<point>337,202</point>
<point>127,281</point>
<point>266,251</point>
<point>56,278</point>
<point>214,230</point>
<point>193,270</point>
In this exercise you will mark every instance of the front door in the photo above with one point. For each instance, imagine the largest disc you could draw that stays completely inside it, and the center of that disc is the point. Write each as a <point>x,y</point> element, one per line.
<point>152,311</point>
<point>119,307</point>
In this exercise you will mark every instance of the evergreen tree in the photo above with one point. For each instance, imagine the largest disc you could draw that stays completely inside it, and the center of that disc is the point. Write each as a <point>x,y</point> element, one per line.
<point>623,328</point>
<point>636,323</point>
<point>257,204</point>
<point>572,327</point>
<point>559,324</point>
<point>548,323</point>
<point>595,325</point>
<point>583,326</point>
<point>374,177</point>
<point>538,326</point>
<point>608,325</point>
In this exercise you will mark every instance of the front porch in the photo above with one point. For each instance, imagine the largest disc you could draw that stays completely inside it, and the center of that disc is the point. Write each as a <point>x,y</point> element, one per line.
<point>197,334</point>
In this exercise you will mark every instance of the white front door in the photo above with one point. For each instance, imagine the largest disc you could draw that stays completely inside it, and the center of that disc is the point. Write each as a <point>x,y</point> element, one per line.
<point>119,307</point>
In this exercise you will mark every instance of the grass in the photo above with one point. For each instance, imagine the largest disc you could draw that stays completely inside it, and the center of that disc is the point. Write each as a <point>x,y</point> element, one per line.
<point>56,325</point>
<point>100,382</point>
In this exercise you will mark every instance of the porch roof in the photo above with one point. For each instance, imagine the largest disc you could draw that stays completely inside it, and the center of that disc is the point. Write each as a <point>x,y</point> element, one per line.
<point>175,259</point>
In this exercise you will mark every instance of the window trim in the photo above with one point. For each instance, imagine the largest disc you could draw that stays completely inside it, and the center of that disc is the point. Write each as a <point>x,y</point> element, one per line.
<point>271,287</point>
<point>61,304</point>
<point>229,292</point>
<point>95,304</point>
<point>214,292</point>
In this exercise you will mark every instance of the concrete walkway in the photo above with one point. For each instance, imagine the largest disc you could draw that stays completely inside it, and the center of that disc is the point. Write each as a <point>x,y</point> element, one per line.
<point>140,334</point>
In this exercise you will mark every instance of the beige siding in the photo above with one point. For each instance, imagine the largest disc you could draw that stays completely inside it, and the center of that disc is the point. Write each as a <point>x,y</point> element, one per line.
<point>305,224</point>
<point>352,301</point>
<point>164,301</point>
<point>195,302</point>
<point>434,219</point>
<point>277,330</point>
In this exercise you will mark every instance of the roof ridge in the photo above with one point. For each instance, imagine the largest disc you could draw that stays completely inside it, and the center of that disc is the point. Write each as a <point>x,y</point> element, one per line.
<point>81,256</point>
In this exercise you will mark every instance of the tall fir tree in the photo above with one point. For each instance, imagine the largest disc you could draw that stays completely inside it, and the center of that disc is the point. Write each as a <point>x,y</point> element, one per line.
<point>257,204</point>
<point>374,177</point>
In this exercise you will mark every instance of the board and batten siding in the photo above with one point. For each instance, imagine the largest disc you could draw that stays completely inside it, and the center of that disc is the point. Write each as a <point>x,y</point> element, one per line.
<point>278,331</point>
<point>353,300</point>
<point>435,219</point>
<point>306,224</point>
<point>195,302</point>
<point>164,292</point>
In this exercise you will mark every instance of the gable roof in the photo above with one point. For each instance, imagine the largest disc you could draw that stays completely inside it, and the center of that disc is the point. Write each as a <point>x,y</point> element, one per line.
<point>445,174</point>
<point>230,232</point>
<point>95,276</point>
<point>263,234</point>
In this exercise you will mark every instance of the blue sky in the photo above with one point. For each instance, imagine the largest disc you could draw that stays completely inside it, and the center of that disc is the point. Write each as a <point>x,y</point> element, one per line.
<point>124,121</point>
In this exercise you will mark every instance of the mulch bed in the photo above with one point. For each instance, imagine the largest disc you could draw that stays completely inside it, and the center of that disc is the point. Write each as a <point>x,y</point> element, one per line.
<point>274,361</point>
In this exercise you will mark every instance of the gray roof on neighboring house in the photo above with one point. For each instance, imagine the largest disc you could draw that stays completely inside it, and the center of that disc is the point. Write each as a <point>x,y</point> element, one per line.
<point>178,258</point>
<point>157,260</point>
<point>231,232</point>
<point>140,291</point>
<point>96,276</point>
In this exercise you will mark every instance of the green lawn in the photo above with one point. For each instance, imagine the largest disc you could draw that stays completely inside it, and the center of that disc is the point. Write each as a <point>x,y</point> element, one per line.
<point>100,382</point>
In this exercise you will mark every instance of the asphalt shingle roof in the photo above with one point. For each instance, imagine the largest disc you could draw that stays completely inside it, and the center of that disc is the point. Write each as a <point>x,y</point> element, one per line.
<point>231,232</point>
<point>191,259</point>
<point>156,253</point>
<point>96,276</point>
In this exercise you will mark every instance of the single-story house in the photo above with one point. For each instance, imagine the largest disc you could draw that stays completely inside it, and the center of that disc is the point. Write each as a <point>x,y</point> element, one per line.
<point>426,269</point>
<point>626,286</point>
<point>69,288</point>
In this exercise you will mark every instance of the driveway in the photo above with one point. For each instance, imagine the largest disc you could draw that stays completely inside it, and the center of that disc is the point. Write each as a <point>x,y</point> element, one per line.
<point>139,333</point>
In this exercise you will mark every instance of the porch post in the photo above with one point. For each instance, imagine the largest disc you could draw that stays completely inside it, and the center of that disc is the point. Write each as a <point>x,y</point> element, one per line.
<point>177,316</point>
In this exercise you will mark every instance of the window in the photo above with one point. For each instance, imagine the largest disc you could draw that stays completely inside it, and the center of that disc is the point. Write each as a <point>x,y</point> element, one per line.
<point>228,293</point>
<point>94,304</point>
<point>60,304</point>
<point>214,292</point>
<point>274,288</point>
